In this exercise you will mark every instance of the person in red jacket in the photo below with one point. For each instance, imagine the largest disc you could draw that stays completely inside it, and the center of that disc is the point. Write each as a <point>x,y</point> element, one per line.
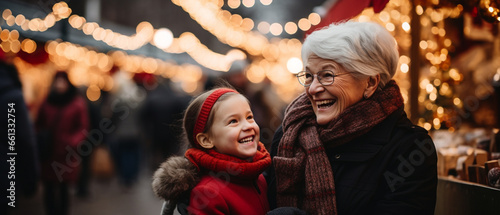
<point>60,124</point>
<point>225,162</point>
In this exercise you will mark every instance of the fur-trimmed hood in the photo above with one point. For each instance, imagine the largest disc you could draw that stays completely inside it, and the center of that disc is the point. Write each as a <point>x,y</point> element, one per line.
<point>174,178</point>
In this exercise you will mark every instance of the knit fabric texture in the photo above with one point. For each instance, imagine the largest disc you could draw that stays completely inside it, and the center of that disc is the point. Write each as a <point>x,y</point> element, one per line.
<point>211,160</point>
<point>303,171</point>
<point>202,119</point>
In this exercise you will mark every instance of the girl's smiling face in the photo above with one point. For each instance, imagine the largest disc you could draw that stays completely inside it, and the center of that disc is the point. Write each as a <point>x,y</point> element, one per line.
<point>234,130</point>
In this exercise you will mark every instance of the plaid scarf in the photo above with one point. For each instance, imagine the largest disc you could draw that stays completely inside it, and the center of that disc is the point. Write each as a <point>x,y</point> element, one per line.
<point>303,171</point>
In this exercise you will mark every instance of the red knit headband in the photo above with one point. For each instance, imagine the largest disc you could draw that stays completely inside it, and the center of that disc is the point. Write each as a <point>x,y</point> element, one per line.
<point>201,121</point>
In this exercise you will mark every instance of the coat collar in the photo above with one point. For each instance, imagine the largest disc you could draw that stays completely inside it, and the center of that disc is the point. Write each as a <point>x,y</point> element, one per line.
<point>381,133</point>
<point>367,146</point>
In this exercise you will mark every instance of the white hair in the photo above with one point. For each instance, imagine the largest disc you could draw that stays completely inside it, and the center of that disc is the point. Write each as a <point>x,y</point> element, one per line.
<point>362,47</point>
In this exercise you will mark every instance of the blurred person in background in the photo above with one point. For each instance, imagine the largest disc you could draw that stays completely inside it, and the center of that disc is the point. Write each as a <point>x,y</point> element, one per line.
<point>61,122</point>
<point>266,105</point>
<point>26,170</point>
<point>161,119</point>
<point>95,109</point>
<point>124,141</point>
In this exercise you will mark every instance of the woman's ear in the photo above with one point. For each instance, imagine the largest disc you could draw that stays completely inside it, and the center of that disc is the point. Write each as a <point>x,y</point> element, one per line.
<point>204,140</point>
<point>372,85</point>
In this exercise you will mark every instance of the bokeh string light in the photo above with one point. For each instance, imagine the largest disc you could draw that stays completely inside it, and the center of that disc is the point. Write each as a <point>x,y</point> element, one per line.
<point>161,38</point>
<point>269,57</point>
<point>259,45</point>
<point>437,93</point>
<point>145,33</point>
<point>489,10</point>
<point>59,11</point>
<point>438,78</point>
<point>235,4</point>
<point>274,59</point>
<point>276,29</point>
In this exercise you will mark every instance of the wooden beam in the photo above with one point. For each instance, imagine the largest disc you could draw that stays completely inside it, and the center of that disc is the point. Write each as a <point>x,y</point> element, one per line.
<point>415,63</point>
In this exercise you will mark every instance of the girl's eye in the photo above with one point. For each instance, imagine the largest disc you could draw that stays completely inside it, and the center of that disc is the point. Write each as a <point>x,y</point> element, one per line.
<point>250,117</point>
<point>232,121</point>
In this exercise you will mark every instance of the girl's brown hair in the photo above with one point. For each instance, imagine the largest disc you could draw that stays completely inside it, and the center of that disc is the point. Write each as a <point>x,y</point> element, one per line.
<point>193,110</point>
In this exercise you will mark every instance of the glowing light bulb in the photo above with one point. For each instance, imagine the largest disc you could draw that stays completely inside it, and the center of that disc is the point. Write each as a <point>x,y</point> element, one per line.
<point>304,24</point>
<point>406,26</point>
<point>276,29</point>
<point>266,2</point>
<point>163,38</point>
<point>294,65</point>
<point>314,18</point>
<point>248,3</point>
<point>291,28</point>
<point>263,27</point>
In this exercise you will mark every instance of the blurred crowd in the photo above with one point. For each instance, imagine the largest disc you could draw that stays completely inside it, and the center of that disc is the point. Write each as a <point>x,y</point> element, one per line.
<point>68,140</point>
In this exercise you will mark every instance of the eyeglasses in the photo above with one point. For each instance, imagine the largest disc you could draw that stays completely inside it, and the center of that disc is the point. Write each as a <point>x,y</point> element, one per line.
<point>325,77</point>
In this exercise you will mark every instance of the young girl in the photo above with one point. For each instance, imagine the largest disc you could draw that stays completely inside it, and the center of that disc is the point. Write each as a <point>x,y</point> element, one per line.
<point>223,170</point>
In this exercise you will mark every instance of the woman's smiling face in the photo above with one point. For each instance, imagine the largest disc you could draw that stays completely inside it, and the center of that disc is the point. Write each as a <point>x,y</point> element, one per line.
<point>330,101</point>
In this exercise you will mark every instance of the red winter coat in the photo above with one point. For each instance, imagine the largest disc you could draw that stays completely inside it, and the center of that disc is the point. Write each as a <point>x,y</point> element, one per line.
<point>228,185</point>
<point>217,195</point>
<point>64,163</point>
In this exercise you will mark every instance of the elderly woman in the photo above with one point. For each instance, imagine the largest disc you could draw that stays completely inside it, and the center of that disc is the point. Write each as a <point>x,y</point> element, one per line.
<point>346,145</point>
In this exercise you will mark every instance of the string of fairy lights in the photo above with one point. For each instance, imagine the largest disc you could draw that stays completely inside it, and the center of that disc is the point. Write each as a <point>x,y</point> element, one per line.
<point>439,78</point>
<point>276,29</point>
<point>187,42</point>
<point>59,11</point>
<point>161,38</point>
<point>145,33</point>
<point>234,4</point>
<point>273,59</point>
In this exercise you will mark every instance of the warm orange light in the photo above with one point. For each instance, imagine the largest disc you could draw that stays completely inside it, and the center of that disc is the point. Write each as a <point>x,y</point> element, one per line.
<point>163,38</point>
<point>20,19</point>
<point>291,28</point>
<point>233,4</point>
<point>11,20</point>
<point>236,20</point>
<point>276,29</point>
<point>28,46</point>
<point>34,24</point>
<point>256,74</point>
<point>390,27</point>
<point>15,46</point>
<point>6,13</point>
<point>14,35</point>
<point>89,27</point>
<point>50,20</point>
<point>4,35</point>
<point>188,41</point>
<point>76,21</point>
<point>263,27</point>
<point>266,2</point>
<point>304,24</point>
<point>93,93</point>
<point>248,3</point>
<point>294,65</point>
<point>314,18</point>
<point>247,24</point>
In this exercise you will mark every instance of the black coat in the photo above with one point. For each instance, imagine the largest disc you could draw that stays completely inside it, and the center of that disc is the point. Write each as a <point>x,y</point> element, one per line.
<point>392,169</point>
<point>22,169</point>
